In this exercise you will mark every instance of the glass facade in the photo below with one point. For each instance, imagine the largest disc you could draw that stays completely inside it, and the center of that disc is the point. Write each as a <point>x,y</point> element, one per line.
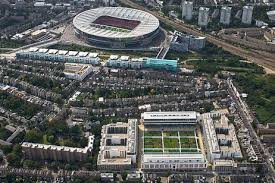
<point>161,64</point>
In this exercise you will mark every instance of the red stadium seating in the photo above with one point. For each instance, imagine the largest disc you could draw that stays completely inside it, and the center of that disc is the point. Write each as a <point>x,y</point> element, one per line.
<point>117,22</point>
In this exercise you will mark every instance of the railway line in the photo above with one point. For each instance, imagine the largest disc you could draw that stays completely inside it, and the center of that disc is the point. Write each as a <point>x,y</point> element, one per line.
<point>262,58</point>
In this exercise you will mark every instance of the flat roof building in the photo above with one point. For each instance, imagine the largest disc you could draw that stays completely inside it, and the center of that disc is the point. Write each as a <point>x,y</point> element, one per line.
<point>54,55</point>
<point>220,137</point>
<point>187,10</point>
<point>77,71</point>
<point>169,118</point>
<point>118,146</point>
<point>225,15</point>
<point>203,18</point>
<point>37,151</point>
<point>247,15</point>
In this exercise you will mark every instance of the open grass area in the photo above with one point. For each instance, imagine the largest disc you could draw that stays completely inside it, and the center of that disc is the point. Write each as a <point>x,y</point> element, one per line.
<point>188,143</point>
<point>152,143</point>
<point>169,134</point>
<point>151,133</point>
<point>187,133</point>
<point>153,150</point>
<point>171,143</point>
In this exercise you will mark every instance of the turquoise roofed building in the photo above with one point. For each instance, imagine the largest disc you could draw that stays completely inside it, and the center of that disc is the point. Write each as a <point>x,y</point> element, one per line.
<point>161,64</point>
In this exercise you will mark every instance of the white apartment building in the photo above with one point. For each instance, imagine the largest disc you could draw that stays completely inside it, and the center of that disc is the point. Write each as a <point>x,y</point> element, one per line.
<point>187,10</point>
<point>220,137</point>
<point>203,16</point>
<point>225,15</point>
<point>125,62</point>
<point>194,161</point>
<point>118,146</point>
<point>169,118</point>
<point>53,55</point>
<point>57,153</point>
<point>77,71</point>
<point>247,15</point>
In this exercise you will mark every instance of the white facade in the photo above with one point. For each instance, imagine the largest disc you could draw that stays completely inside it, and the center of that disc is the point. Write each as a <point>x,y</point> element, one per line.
<point>125,62</point>
<point>57,153</point>
<point>187,10</point>
<point>118,146</point>
<point>225,15</point>
<point>220,137</point>
<point>247,15</point>
<point>173,162</point>
<point>169,118</point>
<point>54,55</point>
<point>203,16</point>
<point>77,71</point>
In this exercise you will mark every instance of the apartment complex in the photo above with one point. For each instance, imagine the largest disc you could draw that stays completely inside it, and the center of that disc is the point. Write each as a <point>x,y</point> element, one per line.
<point>167,146</point>
<point>125,62</point>
<point>225,17</point>
<point>77,71</point>
<point>187,10</point>
<point>36,151</point>
<point>203,16</point>
<point>118,146</point>
<point>54,55</point>
<point>247,15</point>
<point>169,118</point>
<point>183,42</point>
<point>140,63</point>
<point>220,137</point>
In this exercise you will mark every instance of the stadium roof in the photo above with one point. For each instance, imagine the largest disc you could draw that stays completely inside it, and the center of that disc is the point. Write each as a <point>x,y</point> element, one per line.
<point>85,22</point>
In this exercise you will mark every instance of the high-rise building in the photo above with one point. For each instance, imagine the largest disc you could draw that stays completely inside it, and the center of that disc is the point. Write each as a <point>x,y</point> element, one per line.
<point>247,15</point>
<point>187,10</point>
<point>225,15</point>
<point>203,16</point>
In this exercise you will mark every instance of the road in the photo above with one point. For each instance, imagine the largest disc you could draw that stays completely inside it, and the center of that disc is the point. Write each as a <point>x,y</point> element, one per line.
<point>247,120</point>
<point>261,58</point>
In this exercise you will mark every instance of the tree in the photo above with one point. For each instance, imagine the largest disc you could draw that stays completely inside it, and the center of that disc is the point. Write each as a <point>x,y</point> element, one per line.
<point>34,135</point>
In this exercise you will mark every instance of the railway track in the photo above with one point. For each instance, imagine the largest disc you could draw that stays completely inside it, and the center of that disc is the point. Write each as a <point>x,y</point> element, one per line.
<point>262,58</point>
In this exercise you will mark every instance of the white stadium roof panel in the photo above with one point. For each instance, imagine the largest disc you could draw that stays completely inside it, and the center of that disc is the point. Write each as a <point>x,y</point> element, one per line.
<point>147,22</point>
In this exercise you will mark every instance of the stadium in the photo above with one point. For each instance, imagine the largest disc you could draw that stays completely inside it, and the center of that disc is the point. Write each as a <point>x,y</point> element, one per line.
<point>116,27</point>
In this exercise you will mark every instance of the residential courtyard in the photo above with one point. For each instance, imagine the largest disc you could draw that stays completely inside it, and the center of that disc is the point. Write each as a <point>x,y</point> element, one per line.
<point>167,141</point>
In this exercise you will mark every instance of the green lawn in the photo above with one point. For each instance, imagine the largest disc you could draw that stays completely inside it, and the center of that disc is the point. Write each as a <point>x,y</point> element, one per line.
<point>169,134</point>
<point>171,143</point>
<point>153,150</point>
<point>188,143</point>
<point>152,143</point>
<point>152,133</point>
<point>187,133</point>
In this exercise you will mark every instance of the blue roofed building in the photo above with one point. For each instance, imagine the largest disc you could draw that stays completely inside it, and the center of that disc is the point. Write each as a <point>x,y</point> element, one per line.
<point>161,64</point>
